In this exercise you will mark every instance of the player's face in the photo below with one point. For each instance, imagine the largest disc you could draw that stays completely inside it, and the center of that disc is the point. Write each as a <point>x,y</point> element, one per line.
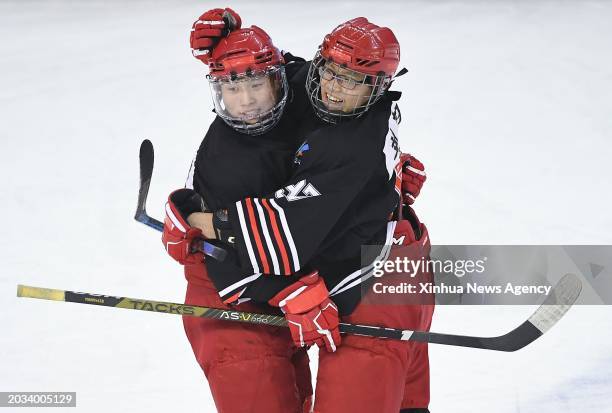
<point>247,99</point>
<point>343,89</point>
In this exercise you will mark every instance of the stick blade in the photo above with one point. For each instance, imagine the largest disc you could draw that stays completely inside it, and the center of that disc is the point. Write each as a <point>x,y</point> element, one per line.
<point>558,302</point>
<point>560,299</point>
<point>146,157</point>
<point>146,160</point>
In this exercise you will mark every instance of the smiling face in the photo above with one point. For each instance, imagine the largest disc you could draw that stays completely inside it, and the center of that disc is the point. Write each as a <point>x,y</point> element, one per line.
<point>251,103</point>
<point>247,99</point>
<point>343,90</point>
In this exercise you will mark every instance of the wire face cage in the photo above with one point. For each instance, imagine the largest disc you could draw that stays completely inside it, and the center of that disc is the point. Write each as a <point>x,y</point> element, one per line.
<point>338,93</point>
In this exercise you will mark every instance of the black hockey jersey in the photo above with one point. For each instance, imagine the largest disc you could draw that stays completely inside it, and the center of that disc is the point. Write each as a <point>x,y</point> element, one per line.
<point>297,210</point>
<point>339,197</point>
<point>230,166</point>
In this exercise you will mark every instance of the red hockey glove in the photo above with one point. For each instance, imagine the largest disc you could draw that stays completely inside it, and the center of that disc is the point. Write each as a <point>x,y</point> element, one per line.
<point>178,235</point>
<point>209,28</point>
<point>413,177</point>
<point>311,315</point>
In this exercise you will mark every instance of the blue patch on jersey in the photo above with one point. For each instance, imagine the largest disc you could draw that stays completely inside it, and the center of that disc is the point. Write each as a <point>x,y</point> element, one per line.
<point>300,152</point>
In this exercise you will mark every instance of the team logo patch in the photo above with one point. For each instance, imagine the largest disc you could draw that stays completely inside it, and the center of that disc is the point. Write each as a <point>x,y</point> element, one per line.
<point>301,190</point>
<point>305,147</point>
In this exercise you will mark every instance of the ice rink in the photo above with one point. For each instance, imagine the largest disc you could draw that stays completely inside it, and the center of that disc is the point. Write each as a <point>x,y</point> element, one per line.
<point>507,103</point>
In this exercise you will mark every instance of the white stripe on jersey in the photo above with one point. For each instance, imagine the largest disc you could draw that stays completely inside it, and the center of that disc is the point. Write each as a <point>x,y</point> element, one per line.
<point>365,273</point>
<point>266,234</point>
<point>239,284</point>
<point>189,181</point>
<point>246,237</point>
<point>285,225</point>
<point>368,268</point>
<point>385,254</point>
<point>361,274</point>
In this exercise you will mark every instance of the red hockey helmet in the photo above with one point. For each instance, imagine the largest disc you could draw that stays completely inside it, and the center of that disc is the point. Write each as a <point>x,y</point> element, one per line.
<point>242,51</point>
<point>352,69</point>
<point>247,80</point>
<point>363,47</point>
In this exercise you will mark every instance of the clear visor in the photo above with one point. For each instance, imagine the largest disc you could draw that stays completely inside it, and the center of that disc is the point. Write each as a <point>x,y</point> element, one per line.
<point>251,103</point>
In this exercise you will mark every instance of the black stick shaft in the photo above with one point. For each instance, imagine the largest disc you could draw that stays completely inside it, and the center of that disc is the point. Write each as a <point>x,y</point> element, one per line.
<point>146,158</point>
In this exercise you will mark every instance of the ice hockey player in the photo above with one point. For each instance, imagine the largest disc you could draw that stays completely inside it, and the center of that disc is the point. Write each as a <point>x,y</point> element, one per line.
<point>247,150</point>
<point>339,197</point>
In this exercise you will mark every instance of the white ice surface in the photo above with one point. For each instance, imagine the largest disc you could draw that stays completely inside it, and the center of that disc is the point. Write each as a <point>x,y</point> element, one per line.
<point>508,103</point>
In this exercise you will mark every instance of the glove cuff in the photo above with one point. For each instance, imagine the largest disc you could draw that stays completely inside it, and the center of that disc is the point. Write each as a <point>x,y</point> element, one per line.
<point>176,219</point>
<point>301,296</point>
<point>186,201</point>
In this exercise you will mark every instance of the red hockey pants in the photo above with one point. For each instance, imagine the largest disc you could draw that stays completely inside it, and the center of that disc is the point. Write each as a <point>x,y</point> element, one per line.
<point>249,368</point>
<point>257,369</point>
<point>376,375</point>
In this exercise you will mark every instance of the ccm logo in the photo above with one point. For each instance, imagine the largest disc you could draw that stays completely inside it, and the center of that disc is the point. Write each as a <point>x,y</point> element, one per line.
<point>398,241</point>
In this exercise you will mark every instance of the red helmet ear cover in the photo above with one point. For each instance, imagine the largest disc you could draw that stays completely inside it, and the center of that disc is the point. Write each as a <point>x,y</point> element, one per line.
<point>248,49</point>
<point>363,47</point>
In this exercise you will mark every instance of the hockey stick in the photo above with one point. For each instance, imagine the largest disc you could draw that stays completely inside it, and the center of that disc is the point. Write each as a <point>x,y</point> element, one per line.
<point>558,302</point>
<point>146,172</point>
